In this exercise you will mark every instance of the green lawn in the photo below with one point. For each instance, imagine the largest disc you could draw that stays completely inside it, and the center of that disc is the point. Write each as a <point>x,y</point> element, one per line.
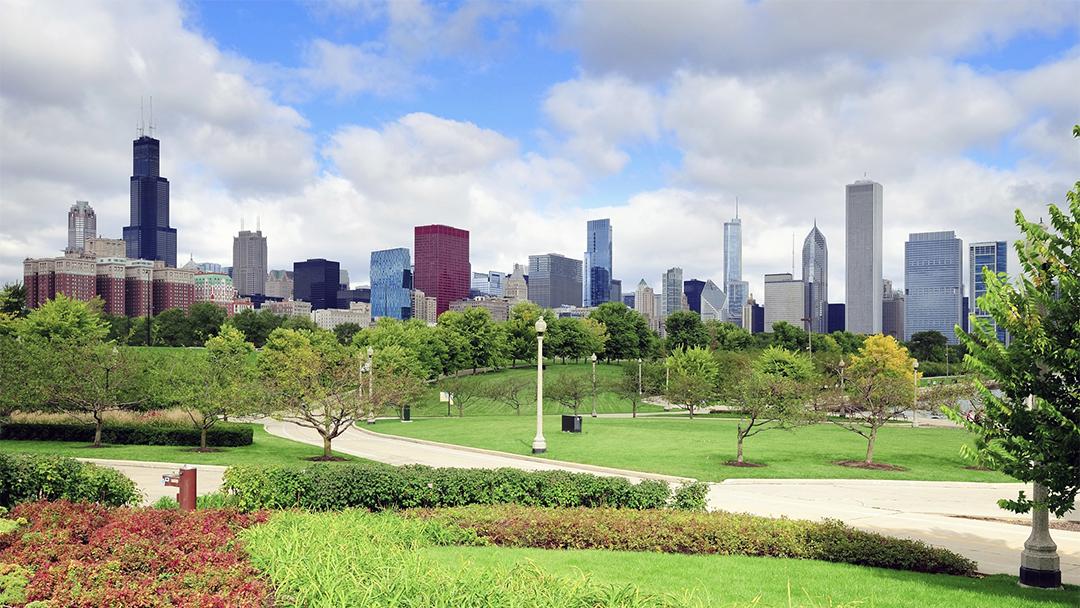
<point>699,448</point>
<point>265,449</point>
<point>606,402</point>
<point>726,581</point>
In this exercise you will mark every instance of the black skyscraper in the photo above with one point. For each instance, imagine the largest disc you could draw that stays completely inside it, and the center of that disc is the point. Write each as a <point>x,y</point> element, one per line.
<point>149,236</point>
<point>316,281</point>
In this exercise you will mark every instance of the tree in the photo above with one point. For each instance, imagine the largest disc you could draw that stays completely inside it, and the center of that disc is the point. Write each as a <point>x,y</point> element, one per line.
<point>693,378</point>
<point>684,330</point>
<point>205,320</point>
<point>848,342</point>
<point>22,375</point>
<point>300,323</point>
<point>521,331</point>
<point>787,336</point>
<point>312,380</point>
<point>346,331</point>
<point>628,334</point>
<point>927,345</point>
<point>463,391</point>
<point>212,385</point>
<point>773,395</point>
<point>570,390</point>
<point>566,339</point>
<point>511,391</point>
<point>398,380</point>
<point>256,326</point>
<point>881,385</point>
<point>1039,443</point>
<point>64,320</point>
<point>474,327</point>
<point>13,299</point>
<point>173,328</point>
<point>630,386</point>
<point>727,336</point>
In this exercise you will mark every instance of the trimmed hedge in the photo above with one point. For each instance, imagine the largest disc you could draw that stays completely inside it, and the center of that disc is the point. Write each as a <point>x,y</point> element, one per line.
<point>222,434</point>
<point>378,487</point>
<point>32,477</point>
<point>716,532</point>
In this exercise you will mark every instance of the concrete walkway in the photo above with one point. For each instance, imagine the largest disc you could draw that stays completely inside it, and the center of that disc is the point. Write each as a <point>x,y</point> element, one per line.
<point>147,476</point>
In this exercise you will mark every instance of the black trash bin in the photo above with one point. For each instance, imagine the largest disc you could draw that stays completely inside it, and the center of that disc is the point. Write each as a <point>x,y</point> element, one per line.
<point>406,414</point>
<point>571,424</point>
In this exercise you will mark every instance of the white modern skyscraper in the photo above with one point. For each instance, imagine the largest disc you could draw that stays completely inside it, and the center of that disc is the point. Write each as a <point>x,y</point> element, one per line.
<point>713,303</point>
<point>933,283</point>
<point>735,288</point>
<point>815,274</point>
<point>672,283</point>
<point>82,225</point>
<point>249,263</point>
<point>863,229</point>
<point>645,303</point>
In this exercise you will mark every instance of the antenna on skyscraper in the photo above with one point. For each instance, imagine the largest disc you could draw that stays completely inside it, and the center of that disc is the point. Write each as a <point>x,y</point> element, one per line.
<point>736,207</point>
<point>258,224</point>
<point>792,253</point>
<point>151,116</point>
<point>142,118</point>
<point>241,223</point>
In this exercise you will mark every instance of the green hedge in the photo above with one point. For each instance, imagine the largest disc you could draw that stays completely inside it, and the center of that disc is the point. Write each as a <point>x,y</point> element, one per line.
<point>377,487</point>
<point>221,434</point>
<point>696,533</point>
<point>30,477</point>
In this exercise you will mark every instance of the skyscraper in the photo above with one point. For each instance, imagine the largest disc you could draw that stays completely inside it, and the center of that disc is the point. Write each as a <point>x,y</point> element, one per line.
<point>596,286</point>
<point>149,236</point>
<point>892,310</point>
<point>554,280</point>
<point>82,225</point>
<point>249,263</point>
<point>645,303</point>
<point>515,288</point>
<point>692,290</point>
<point>442,269</point>
<point>992,255</point>
<point>672,283</point>
<point>391,283</point>
<point>713,302</point>
<point>279,284</point>
<point>863,227</point>
<point>737,294</point>
<point>933,283</point>
<point>815,274</point>
<point>316,281</point>
<point>785,300</point>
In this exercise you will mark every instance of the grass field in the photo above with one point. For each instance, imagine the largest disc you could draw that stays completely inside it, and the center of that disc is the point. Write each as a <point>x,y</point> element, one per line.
<point>699,448</point>
<point>265,449</point>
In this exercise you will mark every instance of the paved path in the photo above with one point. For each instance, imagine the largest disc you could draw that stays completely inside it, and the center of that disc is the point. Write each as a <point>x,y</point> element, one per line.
<point>147,475</point>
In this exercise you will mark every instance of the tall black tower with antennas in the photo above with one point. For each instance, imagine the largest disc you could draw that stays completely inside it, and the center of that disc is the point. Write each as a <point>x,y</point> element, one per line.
<point>149,236</point>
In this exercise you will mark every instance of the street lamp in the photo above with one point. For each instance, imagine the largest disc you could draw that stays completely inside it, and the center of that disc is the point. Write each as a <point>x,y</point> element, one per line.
<point>639,376</point>
<point>371,383</point>
<point>1040,564</point>
<point>539,445</point>
<point>593,359</point>
<point>915,392</point>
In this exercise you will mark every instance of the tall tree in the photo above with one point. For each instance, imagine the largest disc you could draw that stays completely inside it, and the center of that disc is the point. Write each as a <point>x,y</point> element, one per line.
<point>346,331</point>
<point>521,332</point>
<point>1041,313</point>
<point>398,380</point>
<point>64,320</point>
<point>628,334</point>
<point>789,337</point>
<point>727,336</point>
<point>684,330</point>
<point>570,390</point>
<point>205,320</point>
<point>693,378</point>
<point>173,328</point>
<point>13,299</point>
<point>773,395</point>
<point>474,327</point>
<point>566,339</point>
<point>927,345</point>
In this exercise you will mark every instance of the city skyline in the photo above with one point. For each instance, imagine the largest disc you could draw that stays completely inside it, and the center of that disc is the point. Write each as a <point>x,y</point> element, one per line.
<point>632,136</point>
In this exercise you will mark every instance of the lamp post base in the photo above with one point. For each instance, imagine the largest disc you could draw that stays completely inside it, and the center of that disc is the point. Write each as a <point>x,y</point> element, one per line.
<point>542,450</point>
<point>1041,579</point>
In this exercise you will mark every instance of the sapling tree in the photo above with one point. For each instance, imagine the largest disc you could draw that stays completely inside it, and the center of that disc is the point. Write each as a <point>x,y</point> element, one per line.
<point>398,380</point>
<point>570,390</point>
<point>512,391</point>
<point>693,378</point>
<point>463,391</point>
<point>773,395</point>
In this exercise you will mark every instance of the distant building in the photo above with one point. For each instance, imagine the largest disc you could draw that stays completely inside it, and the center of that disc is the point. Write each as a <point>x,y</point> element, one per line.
<point>97,247</point>
<point>554,280</point>
<point>692,290</point>
<point>645,303</point>
<point>573,312</point>
<point>836,317</point>
<point>863,233</point>
<point>892,310</point>
<point>329,318</point>
<point>216,288</point>
<point>391,284</point>
<point>424,307</point>
<point>213,267</point>
<point>713,302</point>
<point>784,300</point>
<point>616,290</point>
<point>498,308</point>
<point>249,263</point>
<point>149,236</point>
<point>933,284</point>
<point>736,294</point>
<point>343,279</point>
<point>628,300</point>
<point>488,283</point>
<point>516,288</point>
<point>82,225</point>
<point>672,283</point>
<point>316,281</point>
<point>345,297</point>
<point>985,255</point>
<point>442,267</point>
<point>290,308</point>
<point>279,284</point>
<point>126,287</point>
<point>753,315</point>
<point>815,273</point>
<point>596,285</point>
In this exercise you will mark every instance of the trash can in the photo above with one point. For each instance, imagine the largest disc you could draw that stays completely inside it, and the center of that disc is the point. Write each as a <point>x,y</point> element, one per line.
<point>571,424</point>
<point>406,414</point>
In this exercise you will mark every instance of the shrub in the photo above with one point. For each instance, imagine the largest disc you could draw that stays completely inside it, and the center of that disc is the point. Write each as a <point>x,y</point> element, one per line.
<point>30,477</point>
<point>672,531</point>
<point>89,555</point>
<point>378,487</point>
<point>220,435</point>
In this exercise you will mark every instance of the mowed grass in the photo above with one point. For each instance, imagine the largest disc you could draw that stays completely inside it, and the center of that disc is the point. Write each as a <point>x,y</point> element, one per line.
<point>265,449</point>
<point>724,581</point>
<point>606,402</point>
<point>700,448</point>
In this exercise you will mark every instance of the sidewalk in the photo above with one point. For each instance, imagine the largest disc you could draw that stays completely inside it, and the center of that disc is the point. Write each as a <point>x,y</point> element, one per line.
<point>147,476</point>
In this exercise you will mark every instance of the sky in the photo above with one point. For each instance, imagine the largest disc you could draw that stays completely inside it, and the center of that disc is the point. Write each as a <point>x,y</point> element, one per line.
<point>339,125</point>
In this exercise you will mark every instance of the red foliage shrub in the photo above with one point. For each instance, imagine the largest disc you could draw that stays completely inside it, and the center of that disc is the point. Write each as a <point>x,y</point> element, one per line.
<point>84,554</point>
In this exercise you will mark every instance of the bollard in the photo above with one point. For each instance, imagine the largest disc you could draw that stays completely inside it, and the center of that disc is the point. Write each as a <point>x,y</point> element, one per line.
<point>185,481</point>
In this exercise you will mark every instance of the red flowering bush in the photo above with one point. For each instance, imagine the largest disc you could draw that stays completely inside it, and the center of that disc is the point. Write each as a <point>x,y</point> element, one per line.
<point>83,554</point>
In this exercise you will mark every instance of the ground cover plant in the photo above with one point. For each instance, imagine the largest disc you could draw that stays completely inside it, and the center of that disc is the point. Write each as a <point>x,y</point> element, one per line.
<point>264,449</point>
<point>87,555</point>
<point>377,487</point>
<point>32,477</point>
<point>706,443</point>
<point>695,533</point>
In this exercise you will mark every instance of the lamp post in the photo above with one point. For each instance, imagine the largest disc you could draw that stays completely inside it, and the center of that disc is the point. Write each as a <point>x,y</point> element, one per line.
<point>639,376</point>
<point>539,445</point>
<point>843,395</point>
<point>593,359</point>
<point>371,383</point>
<point>667,373</point>
<point>1040,565</point>
<point>915,391</point>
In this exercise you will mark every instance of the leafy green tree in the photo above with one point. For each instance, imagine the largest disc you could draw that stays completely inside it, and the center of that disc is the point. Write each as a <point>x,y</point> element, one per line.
<point>300,324</point>
<point>773,395</point>
<point>570,390</point>
<point>628,334</point>
<point>462,391</point>
<point>398,380</point>
<point>438,350</point>
<point>521,331</point>
<point>13,299</point>
<point>693,378</point>
<point>566,339</point>
<point>511,391</point>
<point>257,325</point>
<point>346,331</point>
<point>173,328</point>
<point>630,385</point>
<point>1041,313</point>
<point>684,330</point>
<point>64,320</point>
<point>927,345</point>
<point>732,367</point>
<point>727,336</point>
<point>787,336</point>
<point>119,328</point>
<point>475,328</point>
<point>140,335</point>
<point>23,378</point>
<point>880,385</point>
<point>205,320</point>
<point>848,342</point>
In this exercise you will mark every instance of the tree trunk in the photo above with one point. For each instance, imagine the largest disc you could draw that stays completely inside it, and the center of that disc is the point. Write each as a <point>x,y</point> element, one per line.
<point>870,446</point>
<point>97,429</point>
<point>738,450</point>
<point>634,410</point>
<point>202,439</point>
<point>691,409</point>
<point>326,447</point>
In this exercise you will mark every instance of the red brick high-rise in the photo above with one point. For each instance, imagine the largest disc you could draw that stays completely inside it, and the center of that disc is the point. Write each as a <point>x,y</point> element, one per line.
<point>442,268</point>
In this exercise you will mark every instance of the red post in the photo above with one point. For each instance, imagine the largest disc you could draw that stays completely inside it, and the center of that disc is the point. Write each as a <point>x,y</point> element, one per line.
<point>186,495</point>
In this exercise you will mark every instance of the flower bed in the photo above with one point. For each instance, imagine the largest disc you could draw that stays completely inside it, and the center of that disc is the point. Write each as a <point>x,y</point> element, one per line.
<point>83,555</point>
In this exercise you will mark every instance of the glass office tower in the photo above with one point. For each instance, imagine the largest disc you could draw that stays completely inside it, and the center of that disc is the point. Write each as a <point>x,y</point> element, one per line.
<point>391,284</point>
<point>596,286</point>
<point>991,255</point>
<point>149,236</point>
<point>933,284</point>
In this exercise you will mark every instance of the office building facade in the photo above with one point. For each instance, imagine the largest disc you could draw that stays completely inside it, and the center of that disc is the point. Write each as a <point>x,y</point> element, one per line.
<point>442,268</point>
<point>316,281</point>
<point>489,284</point>
<point>712,301</point>
<point>815,273</point>
<point>279,284</point>
<point>692,290</point>
<point>149,236</point>
<point>516,288</point>
<point>249,263</point>
<point>554,280</point>
<point>985,255</point>
<point>672,284</point>
<point>391,283</point>
<point>863,221</point>
<point>933,284</point>
<point>82,225</point>
<point>892,310</point>
<point>645,303</point>
<point>785,300</point>
<point>596,285</point>
<point>753,315</point>
<point>737,290</point>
